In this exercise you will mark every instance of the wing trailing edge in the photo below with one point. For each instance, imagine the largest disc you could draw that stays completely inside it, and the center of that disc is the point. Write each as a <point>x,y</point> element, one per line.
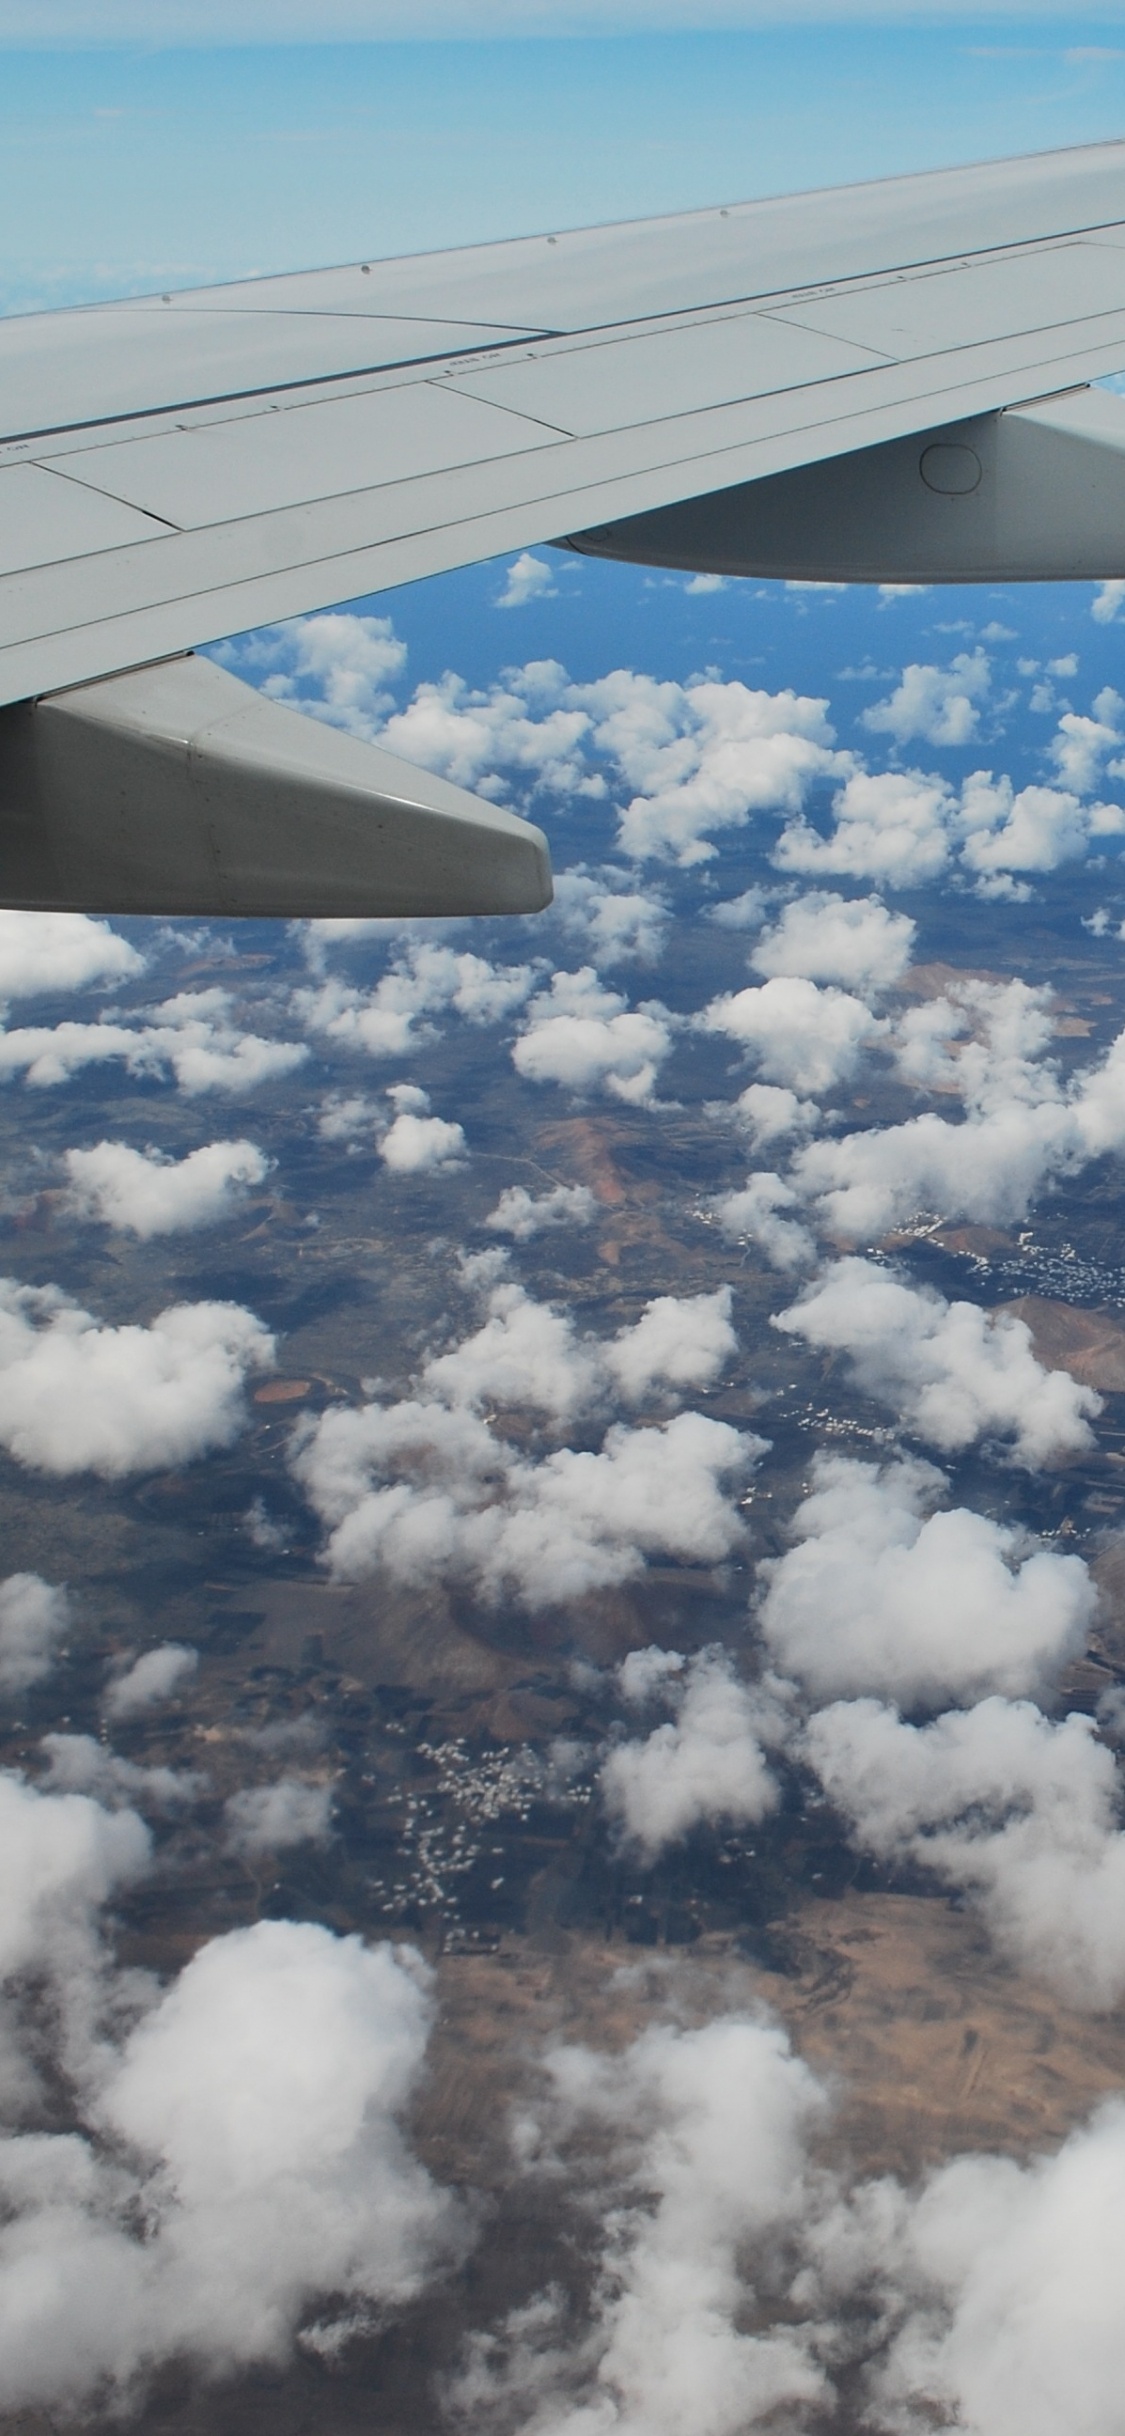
<point>176,789</point>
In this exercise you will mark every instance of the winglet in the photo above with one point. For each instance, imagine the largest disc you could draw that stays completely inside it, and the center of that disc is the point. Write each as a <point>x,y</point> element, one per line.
<point>176,789</point>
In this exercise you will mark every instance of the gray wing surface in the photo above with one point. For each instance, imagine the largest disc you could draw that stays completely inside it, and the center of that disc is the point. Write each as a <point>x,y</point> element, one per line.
<point>871,381</point>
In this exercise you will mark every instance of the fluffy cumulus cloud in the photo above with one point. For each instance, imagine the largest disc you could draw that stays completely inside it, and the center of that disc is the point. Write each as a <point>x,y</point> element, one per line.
<point>880,1594</point>
<point>429,1489</point>
<point>803,1037</point>
<point>1033,829</point>
<point>193,1038</point>
<point>1006,2287</point>
<point>891,826</point>
<point>528,579</point>
<point>939,705</point>
<point>741,2285</point>
<point>702,757</point>
<point>78,1396</point>
<point>587,1038</point>
<point>1019,1812</point>
<point>760,1212</point>
<point>613,922</point>
<point>429,1494</point>
<point>902,828</point>
<point>953,1372</point>
<point>144,1193</point>
<point>702,2186</point>
<point>825,937</point>
<point>530,731</point>
<point>338,667</point>
<point>416,1143</point>
<point>983,1042</point>
<point>523,1215</point>
<point>156,1676</point>
<point>82,1763</point>
<point>767,1112</point>
<point>234,2157</point>
<point>1082,744</point>
<point>262,1819</point>
<point>705,1762</point>
<point>425,979</point>
<point>42,954</point>
<point>34,1617</point>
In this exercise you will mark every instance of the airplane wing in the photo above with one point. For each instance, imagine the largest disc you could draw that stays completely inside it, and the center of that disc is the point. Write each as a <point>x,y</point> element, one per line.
<point>887,381</point>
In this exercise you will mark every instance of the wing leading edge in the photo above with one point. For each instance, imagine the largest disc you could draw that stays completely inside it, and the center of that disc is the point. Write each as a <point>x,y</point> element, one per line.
<point>879,382</point>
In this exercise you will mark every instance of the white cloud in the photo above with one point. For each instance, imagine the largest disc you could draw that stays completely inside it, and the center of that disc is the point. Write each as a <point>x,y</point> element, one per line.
<point>803,1037</point>
<point>587,1038</point>
<point>337,667</point>
<point>425,979</point>
<point>533,725</point>
<point>523,1215</point>
<point>951,1371</point>
<point>940,705</point>
<point>680,1341</point>
<point>758,1214</point>
<point>745,912</point>
<point>697,2139</point>
<point>273,1818</point>
<point>34,1616</point>
<point>235,2160</point>
<point>78,1763</point>
<point>63,1859</point>
<point>44,953</point>
<point>425,1492</point>
<point>145,1193</point>
<point>529,1353</point>
<point>852,940</point>
<point>1107,601</point>
<point>1035,830</point>
<point>890,826</point>
<point>1081,746</point>
<point>157,1675</point>
<point>77,1396</point>
<point>707,1762</point>
<point>1017,1811</point>
<point>880,1595</point>
<point>613,923</point>
<point>348,1117</point>
<point>429,1489</point>
<point>420,1145</point>
<point>528,579</point>
<point>193,1037</point>
<point>1021,1130</point>
<point>1007,2286</point>
<point>702,757</point>
<point>768,1113</point>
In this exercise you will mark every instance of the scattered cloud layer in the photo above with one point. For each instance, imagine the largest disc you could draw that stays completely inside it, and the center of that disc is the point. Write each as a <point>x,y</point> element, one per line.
<point>429,1489</point>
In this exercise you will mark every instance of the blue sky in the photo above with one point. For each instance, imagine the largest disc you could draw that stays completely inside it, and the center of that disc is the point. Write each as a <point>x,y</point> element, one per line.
<point>127,164</point>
